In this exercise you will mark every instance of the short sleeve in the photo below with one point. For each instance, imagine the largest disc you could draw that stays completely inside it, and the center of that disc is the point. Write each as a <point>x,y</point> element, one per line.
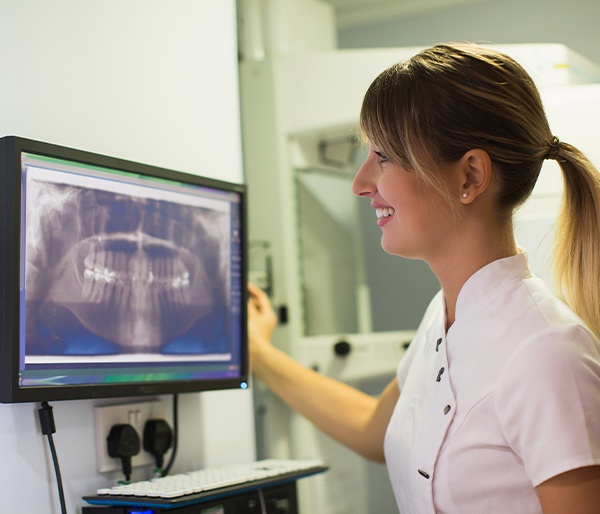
<point>548,402</point>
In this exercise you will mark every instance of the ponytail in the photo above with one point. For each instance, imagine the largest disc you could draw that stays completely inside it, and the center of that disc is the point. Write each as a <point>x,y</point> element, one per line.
<point>577,240</point>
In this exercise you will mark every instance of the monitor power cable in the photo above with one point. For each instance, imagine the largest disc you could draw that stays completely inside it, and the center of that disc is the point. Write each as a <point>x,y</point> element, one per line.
<point>49,428</point>
<point>169,465</point>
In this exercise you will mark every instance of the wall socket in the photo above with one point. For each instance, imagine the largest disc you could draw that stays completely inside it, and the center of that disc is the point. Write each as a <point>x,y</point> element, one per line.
<point>136,415</point>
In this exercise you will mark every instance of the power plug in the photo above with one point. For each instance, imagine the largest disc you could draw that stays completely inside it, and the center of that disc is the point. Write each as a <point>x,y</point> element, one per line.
<point>158,438</point>
<point>123,442</point>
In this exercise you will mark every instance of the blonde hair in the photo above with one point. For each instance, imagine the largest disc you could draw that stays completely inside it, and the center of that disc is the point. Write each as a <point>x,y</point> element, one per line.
<point>452,98</point>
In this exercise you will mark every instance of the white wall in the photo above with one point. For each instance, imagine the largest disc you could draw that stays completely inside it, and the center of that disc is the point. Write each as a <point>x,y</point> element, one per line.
<point>147,80</point>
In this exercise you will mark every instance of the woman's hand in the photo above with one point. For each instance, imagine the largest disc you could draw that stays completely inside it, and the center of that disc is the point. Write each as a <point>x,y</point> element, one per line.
<point>261,320</point>
<point>352,417</point>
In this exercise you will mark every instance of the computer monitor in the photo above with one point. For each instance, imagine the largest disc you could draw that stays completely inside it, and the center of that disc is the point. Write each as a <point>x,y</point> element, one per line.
<point>117,278</point>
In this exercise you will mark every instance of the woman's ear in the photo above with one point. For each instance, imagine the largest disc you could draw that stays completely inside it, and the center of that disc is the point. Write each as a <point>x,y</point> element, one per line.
<point>475,174</point>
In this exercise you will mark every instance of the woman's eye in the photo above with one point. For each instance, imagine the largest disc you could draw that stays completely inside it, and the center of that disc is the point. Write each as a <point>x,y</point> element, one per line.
<point>382,157</point>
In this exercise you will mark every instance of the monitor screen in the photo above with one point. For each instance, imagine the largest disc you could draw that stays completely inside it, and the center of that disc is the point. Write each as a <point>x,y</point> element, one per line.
<point>118,278</point>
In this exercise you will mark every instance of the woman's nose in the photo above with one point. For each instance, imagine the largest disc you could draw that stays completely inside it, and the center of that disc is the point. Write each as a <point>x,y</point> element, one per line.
<point>362,184</point>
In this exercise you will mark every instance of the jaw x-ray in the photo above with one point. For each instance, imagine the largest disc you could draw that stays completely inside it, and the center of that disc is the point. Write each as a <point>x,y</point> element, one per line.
<point>115,273</point>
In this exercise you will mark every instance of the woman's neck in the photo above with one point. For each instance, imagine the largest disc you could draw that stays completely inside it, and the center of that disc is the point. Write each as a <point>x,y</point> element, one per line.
<point>468,254</point>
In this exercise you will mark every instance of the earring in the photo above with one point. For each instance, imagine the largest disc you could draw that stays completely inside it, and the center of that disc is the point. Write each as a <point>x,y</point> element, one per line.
<point>465,195</point>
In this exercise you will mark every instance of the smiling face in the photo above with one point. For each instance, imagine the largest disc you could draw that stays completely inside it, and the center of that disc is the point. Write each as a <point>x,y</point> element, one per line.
<point>414,218</point>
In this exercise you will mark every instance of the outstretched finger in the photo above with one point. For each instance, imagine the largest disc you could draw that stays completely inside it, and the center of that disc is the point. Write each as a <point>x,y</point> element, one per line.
<point>257,297</point>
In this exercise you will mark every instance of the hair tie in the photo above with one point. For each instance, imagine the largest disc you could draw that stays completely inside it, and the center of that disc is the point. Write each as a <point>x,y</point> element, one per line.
<point>554,148</point>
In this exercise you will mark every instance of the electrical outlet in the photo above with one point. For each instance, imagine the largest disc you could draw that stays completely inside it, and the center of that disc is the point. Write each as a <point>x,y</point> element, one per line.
<point>136,415</point>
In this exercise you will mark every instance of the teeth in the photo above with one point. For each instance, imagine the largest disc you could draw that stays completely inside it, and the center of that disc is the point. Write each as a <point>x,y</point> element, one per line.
<point>384,213</point>
<point>134,280</point>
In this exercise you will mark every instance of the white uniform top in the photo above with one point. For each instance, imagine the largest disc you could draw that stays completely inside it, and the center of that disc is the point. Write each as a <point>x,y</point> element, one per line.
<point>507,399</point>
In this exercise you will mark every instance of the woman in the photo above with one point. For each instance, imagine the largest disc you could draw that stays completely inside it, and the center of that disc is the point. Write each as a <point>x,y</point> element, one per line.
<point>496,406</point>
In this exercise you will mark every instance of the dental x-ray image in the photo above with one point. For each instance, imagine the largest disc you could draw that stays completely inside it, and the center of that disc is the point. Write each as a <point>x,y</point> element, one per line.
<point>115,273</point>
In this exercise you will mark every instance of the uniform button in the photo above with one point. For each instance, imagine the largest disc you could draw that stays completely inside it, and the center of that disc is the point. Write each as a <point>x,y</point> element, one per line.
<point>440,373</point>
<point>423,473</point>
<point>447,409</point>
<point>437,345</point>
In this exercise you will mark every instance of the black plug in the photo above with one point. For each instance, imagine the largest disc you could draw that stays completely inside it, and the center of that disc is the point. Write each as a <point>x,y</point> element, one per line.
<point>46,419</point>
<point>124,443</point>
<point>158,438</point>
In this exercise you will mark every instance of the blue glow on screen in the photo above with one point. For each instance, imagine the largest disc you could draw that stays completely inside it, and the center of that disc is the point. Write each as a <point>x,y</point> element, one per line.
<point>122,278</point>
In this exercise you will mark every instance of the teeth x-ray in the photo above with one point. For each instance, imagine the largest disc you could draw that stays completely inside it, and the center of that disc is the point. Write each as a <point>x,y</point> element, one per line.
<point>114,273</point>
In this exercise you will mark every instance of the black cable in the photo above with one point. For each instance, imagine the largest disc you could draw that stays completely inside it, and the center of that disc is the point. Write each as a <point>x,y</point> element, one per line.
<point>48,428</point>
<point>158,438</point>
<point>175,436</point>
<point>123,442</point>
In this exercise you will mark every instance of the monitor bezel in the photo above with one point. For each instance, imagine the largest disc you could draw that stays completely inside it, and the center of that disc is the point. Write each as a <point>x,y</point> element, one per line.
<point>11,149</point>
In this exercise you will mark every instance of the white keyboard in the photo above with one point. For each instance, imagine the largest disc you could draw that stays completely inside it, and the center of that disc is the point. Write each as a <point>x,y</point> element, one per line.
<point>183,487</point>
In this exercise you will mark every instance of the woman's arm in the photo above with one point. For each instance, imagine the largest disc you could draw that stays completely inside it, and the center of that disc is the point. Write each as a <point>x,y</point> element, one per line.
<point>352,417</point>
<point>574,491</point>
